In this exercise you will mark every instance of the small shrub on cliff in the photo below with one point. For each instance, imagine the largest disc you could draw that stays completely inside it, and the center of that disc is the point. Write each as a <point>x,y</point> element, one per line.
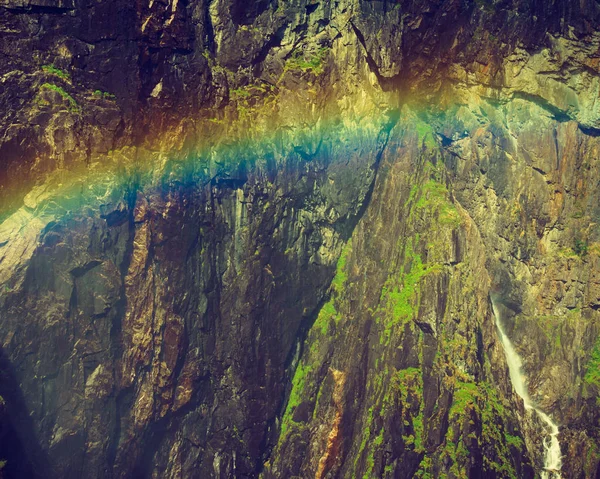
<point>104,94</point>
<point>72,103</point>
<point>580,247</point>
<point>56,71</point>
<point>251,99</point>
<point>303,61</point>
<point>240,93</point>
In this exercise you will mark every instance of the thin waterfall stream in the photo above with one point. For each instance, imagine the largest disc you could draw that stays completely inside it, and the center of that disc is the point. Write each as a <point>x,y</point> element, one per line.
<point>553,457</point>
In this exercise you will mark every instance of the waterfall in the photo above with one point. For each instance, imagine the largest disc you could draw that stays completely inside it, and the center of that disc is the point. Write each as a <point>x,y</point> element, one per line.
<point>553,458</point>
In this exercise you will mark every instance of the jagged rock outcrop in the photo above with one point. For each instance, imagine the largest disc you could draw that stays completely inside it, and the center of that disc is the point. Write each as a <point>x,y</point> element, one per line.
<point>260,238</point>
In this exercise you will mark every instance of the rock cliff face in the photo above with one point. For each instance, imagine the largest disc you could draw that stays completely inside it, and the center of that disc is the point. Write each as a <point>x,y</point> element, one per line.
<point>260,239</point>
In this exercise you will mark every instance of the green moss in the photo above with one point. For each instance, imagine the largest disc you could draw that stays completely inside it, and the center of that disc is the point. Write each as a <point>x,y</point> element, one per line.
<point>400,293</point>
<point>318,334</point>
<point>514,441</point>
<point>370,457</point>
<point>388,470</point>
<point>425,469</point>
<point>425,134</point>
<point>462,400</point>
<point>434,198</point>
<point>580,247</point>
<point>481,400</point>
<point>296,395</point>
<point>327,313</point>
<point>577,215</point>
<point>72,103</point>
<point>251,99</point>
<point>418,427</point>
<point>405,391</point>
<point>591,460</point>
<point>566,253</point>
<point>340,271</point>
<point>302,61</point>
<point>408,381</point>
<point>365,436</point>
<point>240,93</point>
<point>56,71</point>
<point>104,94</point>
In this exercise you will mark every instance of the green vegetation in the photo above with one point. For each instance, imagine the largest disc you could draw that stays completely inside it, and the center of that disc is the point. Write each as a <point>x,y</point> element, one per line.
<point>307,61</point>
<point>425,469</point>
<point>340,272</point>
<point>392,391</point>
<point>431,200</point>
<point>592,375</point>
<point>328,311</point>
<point>566,253</point>
<point>425,134</point>
<point>365,438</point>
<point>319,331</point>
<point>250,99</point>
<point>370,457</point>
<point>580,247</point>
<point>105,95</point>
<point>592,455</point>
<point>514,441</point>
<point>72,103</point>
<point>482,401</point>
<point>434,198</point>
<point>477,413</point>
<point>296,394</point>
<point>56,71</point>
<point>400,294</point>
<point>248,28</point>
<point>477,416</point>
<point>577,215</point>
<point>240,93</point>
<point>552,326</point>
<point>409,384</point>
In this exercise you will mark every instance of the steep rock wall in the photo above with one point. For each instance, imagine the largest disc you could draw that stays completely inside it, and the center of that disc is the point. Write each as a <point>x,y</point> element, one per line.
<point>178,187</point>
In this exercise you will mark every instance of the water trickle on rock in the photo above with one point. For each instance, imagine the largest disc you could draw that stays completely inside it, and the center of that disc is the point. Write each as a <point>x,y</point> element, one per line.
<point>553,457</point>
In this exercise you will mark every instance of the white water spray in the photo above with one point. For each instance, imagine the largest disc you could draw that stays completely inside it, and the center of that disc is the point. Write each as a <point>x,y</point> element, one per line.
<point>553,458</point>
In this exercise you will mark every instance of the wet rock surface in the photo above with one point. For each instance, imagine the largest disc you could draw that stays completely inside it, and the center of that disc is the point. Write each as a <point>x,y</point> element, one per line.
<point>260,238</point>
